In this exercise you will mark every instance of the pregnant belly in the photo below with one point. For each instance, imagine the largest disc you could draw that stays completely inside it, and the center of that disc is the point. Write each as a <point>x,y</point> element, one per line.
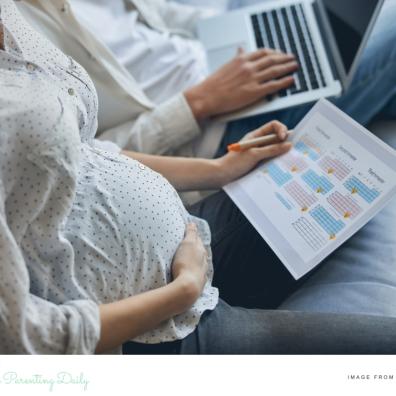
<point>125,227</point>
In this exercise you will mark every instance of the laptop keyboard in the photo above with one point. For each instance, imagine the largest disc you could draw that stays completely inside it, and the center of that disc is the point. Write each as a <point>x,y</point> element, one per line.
<point>286,29</point>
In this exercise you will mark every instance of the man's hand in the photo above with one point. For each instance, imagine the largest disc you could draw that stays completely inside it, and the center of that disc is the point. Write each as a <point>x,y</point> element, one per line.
<point>236,164</point>
<point>241,82</point>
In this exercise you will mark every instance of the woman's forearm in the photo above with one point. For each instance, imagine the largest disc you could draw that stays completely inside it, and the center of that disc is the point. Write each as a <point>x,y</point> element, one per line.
<point>126,319</point>
<point>183,173</point>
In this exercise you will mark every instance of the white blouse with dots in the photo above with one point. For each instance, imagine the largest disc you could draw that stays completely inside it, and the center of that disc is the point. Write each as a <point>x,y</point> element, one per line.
<point>79,226</point>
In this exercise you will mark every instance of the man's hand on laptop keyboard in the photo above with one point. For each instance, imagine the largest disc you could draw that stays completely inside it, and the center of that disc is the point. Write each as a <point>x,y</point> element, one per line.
<point>241,82</point>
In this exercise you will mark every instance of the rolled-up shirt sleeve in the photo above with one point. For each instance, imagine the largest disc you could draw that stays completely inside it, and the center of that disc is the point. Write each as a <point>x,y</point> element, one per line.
<point>32,325</point>
<point>159,131</point>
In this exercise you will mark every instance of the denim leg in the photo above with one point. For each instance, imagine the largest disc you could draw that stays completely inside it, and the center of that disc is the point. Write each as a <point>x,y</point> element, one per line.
<point>372,93</point>
<point>236,330</point>
<point>389,111</point>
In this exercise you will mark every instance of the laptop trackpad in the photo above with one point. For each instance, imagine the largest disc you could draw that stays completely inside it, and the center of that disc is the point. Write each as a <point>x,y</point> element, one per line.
<point>219,56</point>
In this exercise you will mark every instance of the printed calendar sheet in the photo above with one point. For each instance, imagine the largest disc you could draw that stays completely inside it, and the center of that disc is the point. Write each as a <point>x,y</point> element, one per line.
<point>306,203</point>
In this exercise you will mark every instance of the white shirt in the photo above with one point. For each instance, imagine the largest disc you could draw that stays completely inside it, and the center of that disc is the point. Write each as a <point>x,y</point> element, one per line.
<point>163,64</point>
<point>127,116</point>
<point>78,226</point>
<point>218,5</point>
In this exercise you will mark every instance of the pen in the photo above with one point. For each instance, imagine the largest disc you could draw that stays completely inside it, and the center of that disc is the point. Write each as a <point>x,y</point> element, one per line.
<point>260,141</point>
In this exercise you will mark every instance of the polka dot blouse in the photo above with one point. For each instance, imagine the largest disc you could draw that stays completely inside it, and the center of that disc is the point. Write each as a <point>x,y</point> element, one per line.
<point>79,226</point>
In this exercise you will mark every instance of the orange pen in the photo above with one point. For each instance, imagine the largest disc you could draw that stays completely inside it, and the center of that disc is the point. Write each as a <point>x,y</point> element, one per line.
<point>260,141</point>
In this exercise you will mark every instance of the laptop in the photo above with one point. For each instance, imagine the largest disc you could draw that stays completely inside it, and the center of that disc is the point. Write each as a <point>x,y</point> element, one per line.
<point>327,37</point>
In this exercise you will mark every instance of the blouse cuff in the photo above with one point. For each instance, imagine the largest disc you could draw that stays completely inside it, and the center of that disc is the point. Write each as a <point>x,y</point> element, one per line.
<point>84,326</point>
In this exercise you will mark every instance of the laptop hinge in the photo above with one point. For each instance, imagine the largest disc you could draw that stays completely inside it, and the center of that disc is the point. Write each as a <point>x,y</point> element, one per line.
<point>328,42</point>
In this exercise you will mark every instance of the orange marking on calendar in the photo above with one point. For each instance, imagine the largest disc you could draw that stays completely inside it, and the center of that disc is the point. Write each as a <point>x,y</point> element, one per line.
<point>304,209</point>
<point>332,237</point>
<point>347,215</point>
<point>354,190</point>
<point>330,171</point>
<point>294,168</point>
<point>319,190</point>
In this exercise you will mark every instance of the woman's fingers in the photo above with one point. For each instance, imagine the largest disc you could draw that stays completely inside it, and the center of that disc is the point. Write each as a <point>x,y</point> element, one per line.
<point>271,151</point>
<point>192,235</point>
<point>193,238</point>
<point>275,127</point>
<point>191,232</point>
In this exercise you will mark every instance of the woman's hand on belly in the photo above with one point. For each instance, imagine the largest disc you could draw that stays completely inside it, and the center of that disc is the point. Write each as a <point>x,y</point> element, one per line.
<point>190,262</point>
<point>126,319</point>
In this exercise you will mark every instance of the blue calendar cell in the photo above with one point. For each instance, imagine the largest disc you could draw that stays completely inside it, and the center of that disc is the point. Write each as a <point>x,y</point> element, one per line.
<point>279,176</point>
<point>330,224</point>
<point>285,203</point>
<point>307,150</point>
<point>319,184</point>
<point>356,186</point>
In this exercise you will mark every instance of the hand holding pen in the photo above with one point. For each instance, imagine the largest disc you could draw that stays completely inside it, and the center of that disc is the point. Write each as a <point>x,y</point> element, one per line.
<point>266,142</point>
<point>260,141</point>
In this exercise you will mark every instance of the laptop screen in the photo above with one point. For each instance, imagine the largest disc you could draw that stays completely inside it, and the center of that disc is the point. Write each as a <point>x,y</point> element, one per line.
<point>349,20</point>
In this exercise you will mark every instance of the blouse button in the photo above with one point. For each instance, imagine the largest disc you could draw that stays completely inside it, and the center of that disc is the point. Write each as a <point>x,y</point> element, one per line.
<point>30,67</point>
<point>70,91</point>
<point>142,167</point>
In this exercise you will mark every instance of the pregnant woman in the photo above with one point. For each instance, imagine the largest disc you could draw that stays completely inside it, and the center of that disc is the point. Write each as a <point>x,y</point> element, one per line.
<point>96,248</point>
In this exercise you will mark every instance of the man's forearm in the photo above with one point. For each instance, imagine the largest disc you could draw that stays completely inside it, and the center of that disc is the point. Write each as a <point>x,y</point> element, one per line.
<point>183,173</point>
